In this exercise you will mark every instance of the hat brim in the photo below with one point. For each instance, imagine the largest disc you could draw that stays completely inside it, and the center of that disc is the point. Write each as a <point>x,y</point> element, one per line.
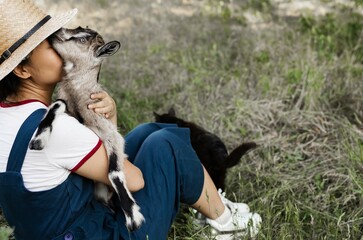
<point>51,26</point>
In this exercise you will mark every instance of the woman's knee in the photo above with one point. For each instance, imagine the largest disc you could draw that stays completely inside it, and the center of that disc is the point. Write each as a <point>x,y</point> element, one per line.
<point>143,129</point>
<point>135,138</point>
<point>156,148</point>
<point>158,140</point>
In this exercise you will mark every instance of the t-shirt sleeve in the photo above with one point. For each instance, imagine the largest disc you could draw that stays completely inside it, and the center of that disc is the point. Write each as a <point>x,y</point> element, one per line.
<point>71,143</point>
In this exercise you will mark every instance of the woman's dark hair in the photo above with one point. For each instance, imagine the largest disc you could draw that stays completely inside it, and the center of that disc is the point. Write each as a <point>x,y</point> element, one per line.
<point>9,85</point>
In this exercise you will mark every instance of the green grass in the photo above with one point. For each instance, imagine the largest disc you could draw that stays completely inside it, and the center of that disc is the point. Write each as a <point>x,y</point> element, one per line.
<point>294,87</point>
<point>5,231</point>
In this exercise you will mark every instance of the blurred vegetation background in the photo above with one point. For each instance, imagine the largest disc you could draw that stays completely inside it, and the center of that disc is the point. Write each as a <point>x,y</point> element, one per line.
<point>286,74</point>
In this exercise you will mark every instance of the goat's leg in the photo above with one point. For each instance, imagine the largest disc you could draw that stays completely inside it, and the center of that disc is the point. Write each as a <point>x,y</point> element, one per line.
<point>103,193</point>
<point>133,216</point>
<point>46,125</point>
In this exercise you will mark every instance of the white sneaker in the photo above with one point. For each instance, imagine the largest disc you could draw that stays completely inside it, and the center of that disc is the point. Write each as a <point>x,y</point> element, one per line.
<point>240,224</point>
<point>199,219</point>
<point>233,206</point>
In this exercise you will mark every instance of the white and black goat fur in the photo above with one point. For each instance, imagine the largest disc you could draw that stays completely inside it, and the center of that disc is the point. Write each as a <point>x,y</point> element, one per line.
<point>83,50</point>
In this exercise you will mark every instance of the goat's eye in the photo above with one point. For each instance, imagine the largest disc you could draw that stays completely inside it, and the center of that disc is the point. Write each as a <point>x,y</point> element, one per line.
<point>83,40</point>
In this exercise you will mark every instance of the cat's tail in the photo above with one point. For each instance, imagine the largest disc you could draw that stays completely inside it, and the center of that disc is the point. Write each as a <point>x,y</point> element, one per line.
<point>235,156</point>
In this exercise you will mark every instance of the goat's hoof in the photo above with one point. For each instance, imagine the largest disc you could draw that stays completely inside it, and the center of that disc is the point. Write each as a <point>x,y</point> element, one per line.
<point>134,226</point>
<point>135,223</point>
<point>36,144</point>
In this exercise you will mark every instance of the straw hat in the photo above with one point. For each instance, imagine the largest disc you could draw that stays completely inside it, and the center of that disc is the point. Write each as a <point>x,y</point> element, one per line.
<point>23,26</point>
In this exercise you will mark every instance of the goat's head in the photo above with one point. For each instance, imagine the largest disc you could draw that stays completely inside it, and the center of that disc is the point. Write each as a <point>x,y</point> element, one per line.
<point>82,46</point>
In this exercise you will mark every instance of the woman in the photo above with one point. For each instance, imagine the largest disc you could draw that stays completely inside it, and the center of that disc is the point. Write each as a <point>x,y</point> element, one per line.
<point>48,194</point>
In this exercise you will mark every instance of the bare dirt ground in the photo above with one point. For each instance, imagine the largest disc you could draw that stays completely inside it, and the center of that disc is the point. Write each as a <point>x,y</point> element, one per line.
<point>123,17</point>
<point>139,24</point>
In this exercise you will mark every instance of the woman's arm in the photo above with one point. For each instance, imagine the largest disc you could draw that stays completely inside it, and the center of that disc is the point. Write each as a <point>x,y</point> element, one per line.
<point>96,168</point>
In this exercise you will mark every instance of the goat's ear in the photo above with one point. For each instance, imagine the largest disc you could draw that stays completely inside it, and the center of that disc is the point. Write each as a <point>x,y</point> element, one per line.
<point>108,49</point>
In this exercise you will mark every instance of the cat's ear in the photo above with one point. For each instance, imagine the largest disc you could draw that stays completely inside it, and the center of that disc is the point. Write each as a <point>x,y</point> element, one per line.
<point>171,112</point>
<point>157,116</point>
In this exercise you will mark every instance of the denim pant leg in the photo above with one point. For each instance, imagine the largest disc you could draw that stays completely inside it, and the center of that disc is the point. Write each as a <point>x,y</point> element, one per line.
<point>135,138</point>
<point>172,173</point>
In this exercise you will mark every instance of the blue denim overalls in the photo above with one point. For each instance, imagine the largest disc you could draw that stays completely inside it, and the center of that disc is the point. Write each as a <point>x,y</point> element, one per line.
<point>67,206</point>
<point>172,174</point>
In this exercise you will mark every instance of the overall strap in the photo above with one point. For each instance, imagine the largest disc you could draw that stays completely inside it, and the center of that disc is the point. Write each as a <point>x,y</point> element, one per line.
<point>21,143</point>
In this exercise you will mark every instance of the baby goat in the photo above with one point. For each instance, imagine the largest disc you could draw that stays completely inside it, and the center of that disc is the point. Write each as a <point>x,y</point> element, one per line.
<point>83,51</point>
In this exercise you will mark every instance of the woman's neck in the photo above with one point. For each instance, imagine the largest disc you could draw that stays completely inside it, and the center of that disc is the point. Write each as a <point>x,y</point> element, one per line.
<point>30,91</point>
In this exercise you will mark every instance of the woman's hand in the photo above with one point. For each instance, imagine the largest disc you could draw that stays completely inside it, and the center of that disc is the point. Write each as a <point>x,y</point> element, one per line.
<point>105,106</point>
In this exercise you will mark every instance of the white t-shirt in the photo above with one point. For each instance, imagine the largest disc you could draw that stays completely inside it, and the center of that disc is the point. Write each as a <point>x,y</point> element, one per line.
<point>70,145</point>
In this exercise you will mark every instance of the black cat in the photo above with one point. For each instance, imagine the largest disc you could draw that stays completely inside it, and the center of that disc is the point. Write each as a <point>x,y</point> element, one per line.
<point>210,149</point>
